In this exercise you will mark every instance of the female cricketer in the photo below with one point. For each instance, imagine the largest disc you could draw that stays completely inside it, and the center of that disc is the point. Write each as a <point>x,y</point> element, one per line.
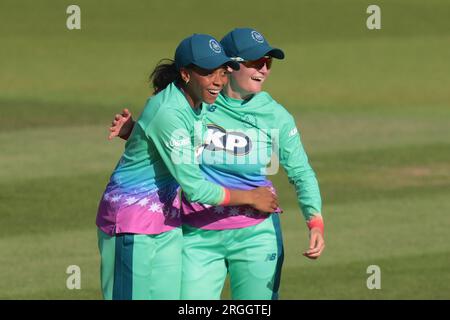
<point>246,126</point>
<point>139,234</point>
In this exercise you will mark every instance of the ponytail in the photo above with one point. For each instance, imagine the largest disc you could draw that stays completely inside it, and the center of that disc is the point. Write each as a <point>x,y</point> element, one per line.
<point>164,74</point>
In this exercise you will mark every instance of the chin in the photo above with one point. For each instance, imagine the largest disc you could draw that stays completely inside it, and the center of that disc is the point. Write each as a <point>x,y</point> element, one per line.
<point>255,89</point>
<point>209,100</point>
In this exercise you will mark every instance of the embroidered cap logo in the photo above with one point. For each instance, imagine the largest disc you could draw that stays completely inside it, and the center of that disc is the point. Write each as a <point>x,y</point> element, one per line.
<point>257,37</point>
<point>215,46</point>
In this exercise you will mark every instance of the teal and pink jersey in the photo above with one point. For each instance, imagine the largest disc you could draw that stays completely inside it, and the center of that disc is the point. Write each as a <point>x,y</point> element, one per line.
<point>244,144</point>
<point>142,194</point>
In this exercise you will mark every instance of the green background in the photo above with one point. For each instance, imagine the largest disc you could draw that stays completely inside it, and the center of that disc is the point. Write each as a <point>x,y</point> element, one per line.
<point>373,107</point>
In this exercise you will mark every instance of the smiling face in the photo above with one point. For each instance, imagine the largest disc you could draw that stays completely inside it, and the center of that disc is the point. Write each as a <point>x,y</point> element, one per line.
<point>249,79</point>
<point>203,85</point>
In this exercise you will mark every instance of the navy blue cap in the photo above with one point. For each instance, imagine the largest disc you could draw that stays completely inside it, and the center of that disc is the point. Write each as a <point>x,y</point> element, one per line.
<point>248,44</point>
<point>203,51</point>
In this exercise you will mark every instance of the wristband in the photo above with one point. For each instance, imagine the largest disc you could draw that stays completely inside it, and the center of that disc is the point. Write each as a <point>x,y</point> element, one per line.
<point>316,222</point>
<point>226,198</point>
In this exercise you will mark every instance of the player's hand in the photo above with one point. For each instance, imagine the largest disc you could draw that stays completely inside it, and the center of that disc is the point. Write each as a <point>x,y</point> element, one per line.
<point>316,244</point>
<point>121,125</point>
<point>264,200</point>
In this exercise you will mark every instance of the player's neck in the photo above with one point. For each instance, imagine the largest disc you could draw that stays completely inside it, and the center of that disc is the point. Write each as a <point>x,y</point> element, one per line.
<point>194,103</point>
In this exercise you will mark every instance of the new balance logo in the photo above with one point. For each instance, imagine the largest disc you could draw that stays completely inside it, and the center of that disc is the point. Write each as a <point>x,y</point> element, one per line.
<point>271,257</point>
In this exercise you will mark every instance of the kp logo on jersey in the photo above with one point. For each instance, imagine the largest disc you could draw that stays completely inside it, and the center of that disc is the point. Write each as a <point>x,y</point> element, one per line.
<point>258,146</point>
<point>233,142</point>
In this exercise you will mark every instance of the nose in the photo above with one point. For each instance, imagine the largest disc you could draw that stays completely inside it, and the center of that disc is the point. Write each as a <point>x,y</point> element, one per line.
<point>219,79</point>
<point>264,69</point>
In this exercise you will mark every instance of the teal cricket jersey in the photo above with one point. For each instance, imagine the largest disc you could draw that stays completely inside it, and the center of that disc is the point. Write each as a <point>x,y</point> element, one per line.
<point>242,138</point>
<point>159,156</point>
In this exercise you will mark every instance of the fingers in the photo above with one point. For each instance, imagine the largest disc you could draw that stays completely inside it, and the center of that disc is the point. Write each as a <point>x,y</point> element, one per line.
<point>268,201</point>
<point>126,113</point>
<point>273,205</point>
<point>314,254</point>
<point>271,194</point>
<point>113,129</point>
<point>113,133</point>
<point>119,120</point>
<point>116,120</point>
<point>269,208</point>
<point>274,202</point>
<point>311,255</point>
<point>316,245</point>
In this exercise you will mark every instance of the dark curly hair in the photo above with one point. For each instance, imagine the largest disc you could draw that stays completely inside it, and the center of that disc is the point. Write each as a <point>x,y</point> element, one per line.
<point>164,74</point>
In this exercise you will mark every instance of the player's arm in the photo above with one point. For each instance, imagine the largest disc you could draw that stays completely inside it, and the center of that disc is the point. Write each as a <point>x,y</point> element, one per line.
<point>172,140</point>
<point>294,160</point>
<point>122,127</point>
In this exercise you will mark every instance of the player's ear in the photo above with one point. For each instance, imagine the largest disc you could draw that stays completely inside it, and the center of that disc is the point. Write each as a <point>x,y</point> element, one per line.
<point>185,75</point>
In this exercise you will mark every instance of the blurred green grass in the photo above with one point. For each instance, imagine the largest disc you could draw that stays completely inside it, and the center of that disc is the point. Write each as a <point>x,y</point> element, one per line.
<point>373,108</point>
